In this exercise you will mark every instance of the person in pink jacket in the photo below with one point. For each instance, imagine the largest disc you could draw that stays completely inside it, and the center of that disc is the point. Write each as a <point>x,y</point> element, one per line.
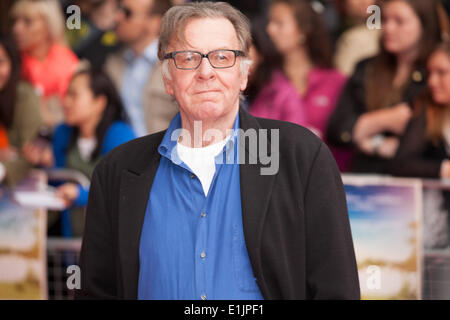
<point>269,92</point>
<point>302,87</point>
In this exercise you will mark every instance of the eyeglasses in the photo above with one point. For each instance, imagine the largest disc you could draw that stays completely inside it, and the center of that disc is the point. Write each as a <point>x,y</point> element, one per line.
<point>191,60</point>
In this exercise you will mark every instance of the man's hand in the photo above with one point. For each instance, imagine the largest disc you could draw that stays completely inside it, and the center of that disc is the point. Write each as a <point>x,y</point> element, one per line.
<point>386,149</point>
<point>398,117</point>
<point>445,169</point>
<point>68,192</point>
<point>38,155</point>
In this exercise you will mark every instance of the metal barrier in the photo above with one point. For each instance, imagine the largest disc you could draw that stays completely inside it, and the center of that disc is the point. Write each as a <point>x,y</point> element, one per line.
<point>436,261</point>
<point>61,253</point>
<point>67,175</point>
<point>436,277</point>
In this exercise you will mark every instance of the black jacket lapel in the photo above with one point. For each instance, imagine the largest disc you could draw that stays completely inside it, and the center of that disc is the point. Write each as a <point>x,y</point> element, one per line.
<point>135,188</point>
<point>255,196</point>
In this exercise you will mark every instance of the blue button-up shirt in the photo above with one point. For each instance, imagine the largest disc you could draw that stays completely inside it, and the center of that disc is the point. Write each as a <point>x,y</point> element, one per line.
<point>192,246</point>
<point>135,77</point>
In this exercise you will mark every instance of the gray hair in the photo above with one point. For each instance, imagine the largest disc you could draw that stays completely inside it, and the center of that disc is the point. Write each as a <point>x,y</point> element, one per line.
<point>174,22</point>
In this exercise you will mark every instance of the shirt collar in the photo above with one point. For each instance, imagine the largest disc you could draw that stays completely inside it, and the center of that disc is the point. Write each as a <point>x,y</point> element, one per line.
<point>167,148</point>
<point>150,53</point>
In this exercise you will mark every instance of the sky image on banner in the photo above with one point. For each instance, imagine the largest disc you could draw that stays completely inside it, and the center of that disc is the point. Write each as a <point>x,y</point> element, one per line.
<point>385,217</point>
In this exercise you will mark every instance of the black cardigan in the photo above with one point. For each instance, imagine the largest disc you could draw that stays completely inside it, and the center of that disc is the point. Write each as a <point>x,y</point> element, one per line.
<point>417,156</point>
<point>351,105</point>
<point>296,224</point>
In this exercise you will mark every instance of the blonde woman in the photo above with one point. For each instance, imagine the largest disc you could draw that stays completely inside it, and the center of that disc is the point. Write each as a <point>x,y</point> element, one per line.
<point>47,63</point>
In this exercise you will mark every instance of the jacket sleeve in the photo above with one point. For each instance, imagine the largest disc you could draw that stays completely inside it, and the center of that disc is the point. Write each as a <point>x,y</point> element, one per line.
<point>98,280</point>
<point>117,134</point>
<point>410,159</point>
<point>27,120</point>
<point>331,270</point>
<point>350,106</point>
<point>60,142</point>
<point>83,194</point>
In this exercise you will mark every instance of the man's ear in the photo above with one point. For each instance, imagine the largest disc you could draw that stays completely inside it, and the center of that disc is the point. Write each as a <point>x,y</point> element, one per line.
<point>245,70</point>
<point>244,81</point>
<point>165,76</point>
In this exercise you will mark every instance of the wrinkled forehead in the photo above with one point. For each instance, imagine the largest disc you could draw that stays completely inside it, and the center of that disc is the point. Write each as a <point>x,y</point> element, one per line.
<point>204,34</point>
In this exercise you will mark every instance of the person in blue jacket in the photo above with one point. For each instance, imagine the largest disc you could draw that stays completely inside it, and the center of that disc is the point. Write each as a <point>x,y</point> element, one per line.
<point>94,124</point>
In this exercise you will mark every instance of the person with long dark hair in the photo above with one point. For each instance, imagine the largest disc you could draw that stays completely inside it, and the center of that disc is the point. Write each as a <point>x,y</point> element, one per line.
<point>299,33</point>
<point>19,114</point>
<point>269,93</point>
<point>93,125</point>
<point>424,149</point>
<point>375,106</point>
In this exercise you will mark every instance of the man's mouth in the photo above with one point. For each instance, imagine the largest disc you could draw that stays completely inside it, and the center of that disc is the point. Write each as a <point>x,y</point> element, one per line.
<point>207,91</point>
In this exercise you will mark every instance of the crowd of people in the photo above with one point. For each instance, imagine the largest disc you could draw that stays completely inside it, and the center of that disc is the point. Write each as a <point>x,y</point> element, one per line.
<point>378,97</point>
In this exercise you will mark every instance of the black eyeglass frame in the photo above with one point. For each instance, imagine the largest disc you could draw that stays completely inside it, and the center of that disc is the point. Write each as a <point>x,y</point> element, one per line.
<point>171,55</point>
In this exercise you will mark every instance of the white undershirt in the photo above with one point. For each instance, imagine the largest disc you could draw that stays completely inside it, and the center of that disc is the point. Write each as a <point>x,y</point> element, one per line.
<point>86,146</point>
<point>201,161</point>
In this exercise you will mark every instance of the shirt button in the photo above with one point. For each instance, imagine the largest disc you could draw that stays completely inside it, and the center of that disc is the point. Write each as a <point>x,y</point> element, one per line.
<point>203,255</point>
<point>203,215</point>
<point>203,296</point>
<point>192,176</point>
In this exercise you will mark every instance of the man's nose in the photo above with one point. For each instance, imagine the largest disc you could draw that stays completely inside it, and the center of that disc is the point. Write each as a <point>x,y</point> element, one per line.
<point>205,70</point>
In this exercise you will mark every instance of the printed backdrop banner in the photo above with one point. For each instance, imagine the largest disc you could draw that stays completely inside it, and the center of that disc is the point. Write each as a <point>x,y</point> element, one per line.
<point>23,234</point>
<point>385,217</point>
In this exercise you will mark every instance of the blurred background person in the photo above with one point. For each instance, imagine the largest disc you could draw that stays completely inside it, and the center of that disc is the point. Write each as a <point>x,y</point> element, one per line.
<point>93,125</point>
<point>251,8</point>
<point>424,150</point>
<point>358,42</point>
<point>135,69</point>
<point>95,40</point>
<point>269,92</point>
<point>19,114</point>
<point>446,6</point>
<point>254,9</point>
<point>47,63</point>
<point>375,106</point>
<point>300,36</point>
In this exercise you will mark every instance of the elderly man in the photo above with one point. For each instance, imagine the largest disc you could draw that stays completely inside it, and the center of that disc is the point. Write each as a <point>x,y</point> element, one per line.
<point>189,213</point>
